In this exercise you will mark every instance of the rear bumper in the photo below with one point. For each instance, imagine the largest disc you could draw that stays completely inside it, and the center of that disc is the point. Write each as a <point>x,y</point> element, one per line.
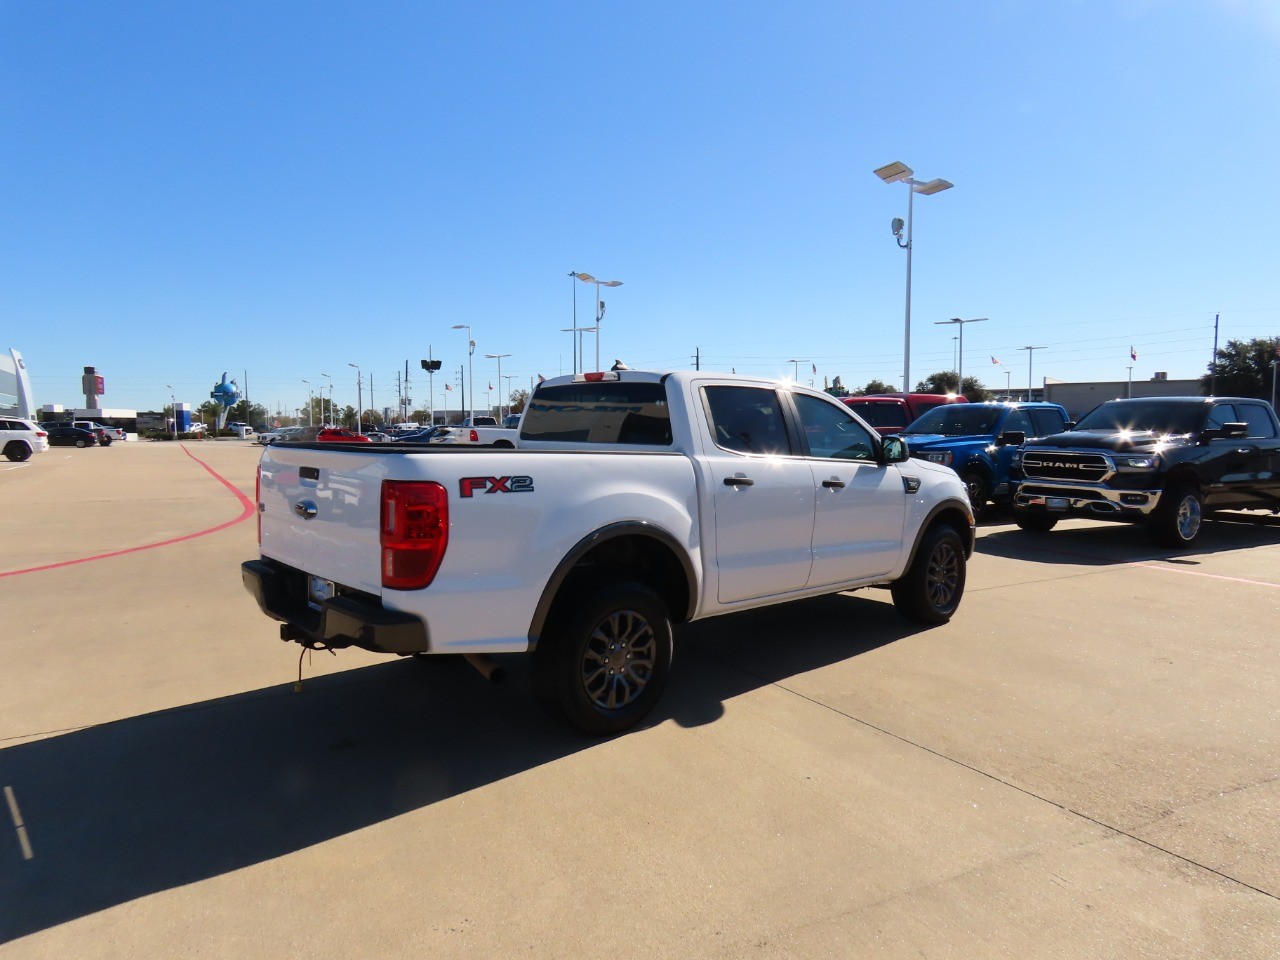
<point>341,621</point>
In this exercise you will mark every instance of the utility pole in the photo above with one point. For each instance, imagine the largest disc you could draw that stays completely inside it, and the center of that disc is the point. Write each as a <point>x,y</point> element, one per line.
<point>1213,366</point>
<point>697,358</point>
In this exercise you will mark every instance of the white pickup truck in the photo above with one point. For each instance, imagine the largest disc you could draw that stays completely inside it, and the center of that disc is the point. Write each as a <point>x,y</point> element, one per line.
<point>635,501</point>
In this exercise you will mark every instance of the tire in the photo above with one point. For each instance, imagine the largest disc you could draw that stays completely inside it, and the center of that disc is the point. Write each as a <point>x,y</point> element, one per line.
<point>80,443</point>
<point>17,452</point>
<point>978,488</point>
<point>106,442</point>
<point>1035,522</point>
<point>505,443</point>
<point>1179,518</point>
<point>931,589</point>
<point>572,673</point>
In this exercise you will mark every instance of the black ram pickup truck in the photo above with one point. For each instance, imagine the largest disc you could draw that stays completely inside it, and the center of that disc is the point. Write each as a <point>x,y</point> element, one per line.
<point>1166,462</point>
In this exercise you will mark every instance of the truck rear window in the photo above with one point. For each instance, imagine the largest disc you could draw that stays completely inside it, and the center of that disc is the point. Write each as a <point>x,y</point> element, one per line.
<point>607,412</point>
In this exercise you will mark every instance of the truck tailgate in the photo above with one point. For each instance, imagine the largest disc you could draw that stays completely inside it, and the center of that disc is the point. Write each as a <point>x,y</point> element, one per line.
<point>320,512</point>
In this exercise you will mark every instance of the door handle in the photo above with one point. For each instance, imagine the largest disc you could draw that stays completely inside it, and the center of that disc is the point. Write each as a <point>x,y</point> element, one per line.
<point>738,481</point>
<point>833,484</point>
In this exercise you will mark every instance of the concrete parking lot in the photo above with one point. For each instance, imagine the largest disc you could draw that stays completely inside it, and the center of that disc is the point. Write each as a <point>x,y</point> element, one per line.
<point>1084,763</point>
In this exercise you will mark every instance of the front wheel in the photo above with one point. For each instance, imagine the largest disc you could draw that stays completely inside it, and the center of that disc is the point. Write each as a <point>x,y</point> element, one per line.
<point>978,489</point>
<point>603,660</point>
<point>1178,519</point>
<point>930,590</point>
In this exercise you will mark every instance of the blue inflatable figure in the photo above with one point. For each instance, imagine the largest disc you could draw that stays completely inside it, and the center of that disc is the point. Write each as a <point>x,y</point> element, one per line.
<point>227,396</point>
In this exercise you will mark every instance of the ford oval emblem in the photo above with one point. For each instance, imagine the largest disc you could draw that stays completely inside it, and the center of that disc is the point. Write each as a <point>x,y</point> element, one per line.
<point>305,509</point>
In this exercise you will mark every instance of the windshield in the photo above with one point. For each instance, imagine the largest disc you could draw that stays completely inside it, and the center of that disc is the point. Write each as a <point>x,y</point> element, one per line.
<point>957,420</point>
<point>1137,417</point>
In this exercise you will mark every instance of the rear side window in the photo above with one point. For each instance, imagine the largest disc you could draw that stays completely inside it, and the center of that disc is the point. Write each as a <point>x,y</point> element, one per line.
<point>1047,422</point>
<point>747,420</point>
<point>1258,418</point>
<point>881,414</point>
<point>606,412</point>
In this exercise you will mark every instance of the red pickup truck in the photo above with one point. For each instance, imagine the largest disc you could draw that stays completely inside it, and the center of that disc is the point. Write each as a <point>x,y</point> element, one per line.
<point>891,412</point>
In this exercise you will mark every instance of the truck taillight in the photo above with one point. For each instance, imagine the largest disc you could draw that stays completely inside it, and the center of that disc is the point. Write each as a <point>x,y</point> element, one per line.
<point>475,437</point>
<point>257,502</point>
<point>414,532</point>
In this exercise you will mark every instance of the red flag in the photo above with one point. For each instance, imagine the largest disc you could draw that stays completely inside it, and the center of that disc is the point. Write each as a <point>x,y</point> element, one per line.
<point>447,387</point>
<point>1133,354</point>
<point>994,360</point>
<point>491,386</point>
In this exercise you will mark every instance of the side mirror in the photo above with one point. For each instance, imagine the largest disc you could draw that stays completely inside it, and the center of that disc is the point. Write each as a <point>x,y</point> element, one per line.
<point>1069,425</point>
<point>1235,429</point>
<point>894,450</point>
<point>1011,438</point>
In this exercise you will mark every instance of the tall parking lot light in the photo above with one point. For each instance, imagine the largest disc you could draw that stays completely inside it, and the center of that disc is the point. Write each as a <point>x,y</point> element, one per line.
<point>898,172</point>
<point>310,405</point>
<point>173,408</point>
<point>498,357</point>
<point>329,418</point>
<point>359,398</point>
<point>1031,352</point>
<point>588,278</point>
<point>960,354</point>
<point>471,349</point>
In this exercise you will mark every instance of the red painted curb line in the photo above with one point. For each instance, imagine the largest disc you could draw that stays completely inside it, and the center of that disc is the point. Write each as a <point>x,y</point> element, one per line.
<point>247,512</point>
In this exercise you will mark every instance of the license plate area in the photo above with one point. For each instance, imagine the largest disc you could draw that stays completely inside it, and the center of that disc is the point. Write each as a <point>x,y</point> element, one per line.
<point>1056,503</point>
<point>318,591</point>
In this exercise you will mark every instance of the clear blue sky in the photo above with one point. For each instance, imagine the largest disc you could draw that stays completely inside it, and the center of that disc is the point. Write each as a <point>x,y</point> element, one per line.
<point>286,188</point>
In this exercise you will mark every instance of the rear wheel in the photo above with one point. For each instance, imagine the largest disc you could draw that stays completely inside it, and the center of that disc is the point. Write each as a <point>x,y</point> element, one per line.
<point>930,590</point>
<point>1035,522</point>
<point>17,451</point>
<point>603,660</point>
<point>1178,519</point>
<point>80,443</point>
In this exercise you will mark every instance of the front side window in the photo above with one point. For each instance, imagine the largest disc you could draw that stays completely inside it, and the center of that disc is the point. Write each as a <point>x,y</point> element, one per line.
<point>1047,421</point>
<point>1221,415</point>
<point>831,431</point>
<point>747,419</point>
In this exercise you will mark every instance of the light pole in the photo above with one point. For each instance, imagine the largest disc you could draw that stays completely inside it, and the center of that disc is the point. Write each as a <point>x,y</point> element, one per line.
<point>1128,391</point>
<point>588,278</point>
<point>898,172</point>
<point>1275,366</point>
<point>173,408</point>
<point>1031,352</point>
<point>329,418</point>
<point>960,355</point>
<point>796,375</point>
<point>359,398</point>
<point>310,418</point>
<point>498,357</point>
<point>471,349</point>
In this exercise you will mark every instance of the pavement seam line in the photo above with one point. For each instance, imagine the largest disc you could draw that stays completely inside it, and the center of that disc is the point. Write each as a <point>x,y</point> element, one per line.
<point>1029,793</point>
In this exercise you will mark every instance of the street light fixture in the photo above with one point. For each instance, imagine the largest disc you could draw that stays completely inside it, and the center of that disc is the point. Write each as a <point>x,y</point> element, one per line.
<point>359,398</point>
<point>898,172</point>
<point>471,349</point>
<point>588,278</point>
<point>1031,352</point>
<point>796,377</point>
<point>960,355</point>
<point>328,419</point>
<point>498,357</point>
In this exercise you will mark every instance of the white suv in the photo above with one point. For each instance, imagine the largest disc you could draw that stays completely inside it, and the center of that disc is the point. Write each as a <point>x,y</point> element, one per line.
<point>19,438</point>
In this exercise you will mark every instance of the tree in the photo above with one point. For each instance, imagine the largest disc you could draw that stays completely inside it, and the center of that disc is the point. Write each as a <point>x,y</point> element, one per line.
<point>1243,368</point>
<point>517,400</point>
<point>247,412</point>
<point>876,386</point>
<point>944,381</point>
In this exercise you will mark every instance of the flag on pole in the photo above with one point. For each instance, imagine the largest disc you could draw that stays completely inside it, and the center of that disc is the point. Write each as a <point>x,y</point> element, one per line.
<point>541,378</point>
<point>491,386</point>
<point>448,386</point>
<point>815,369</point>
<point>1133,354</point>
<point>997,362</point>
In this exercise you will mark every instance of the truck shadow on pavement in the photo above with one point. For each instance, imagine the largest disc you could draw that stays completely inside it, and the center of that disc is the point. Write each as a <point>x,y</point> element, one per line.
<point>134,807</point>
<point>1098,543</point>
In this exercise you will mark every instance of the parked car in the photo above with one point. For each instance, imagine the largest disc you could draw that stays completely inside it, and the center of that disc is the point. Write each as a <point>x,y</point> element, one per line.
<point>891,412</point>
<point>421,436</point>
<point>64,436</point>
<point>20,438</point>
<point>340,435</point>
<point>978,440</point>
<point>511,421</point>
<point>479,422</point>
<point>111,433</point>
<point>1164,462</point>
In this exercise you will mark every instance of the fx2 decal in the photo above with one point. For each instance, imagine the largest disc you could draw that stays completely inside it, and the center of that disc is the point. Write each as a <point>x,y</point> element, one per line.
<point>472,485</point>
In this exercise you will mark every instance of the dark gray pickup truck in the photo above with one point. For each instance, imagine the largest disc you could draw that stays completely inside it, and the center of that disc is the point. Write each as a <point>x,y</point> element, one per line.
<point>1166,462</point>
